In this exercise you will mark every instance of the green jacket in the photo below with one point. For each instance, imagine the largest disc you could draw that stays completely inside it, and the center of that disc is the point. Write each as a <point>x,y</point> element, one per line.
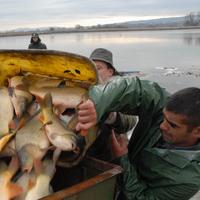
<point>150,173</point>
<point>37,45</point>
<point>101,148</point>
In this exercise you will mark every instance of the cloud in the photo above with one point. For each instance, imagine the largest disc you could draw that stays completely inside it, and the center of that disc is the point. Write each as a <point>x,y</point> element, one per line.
<point>29,13</point>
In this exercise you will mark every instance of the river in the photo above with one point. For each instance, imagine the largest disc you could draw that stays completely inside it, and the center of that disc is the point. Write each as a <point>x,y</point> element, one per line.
<point>172,58</point>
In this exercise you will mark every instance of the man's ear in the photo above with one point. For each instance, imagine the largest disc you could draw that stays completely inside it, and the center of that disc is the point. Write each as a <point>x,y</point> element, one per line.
<point>111,71</point>
<point>196,132</point>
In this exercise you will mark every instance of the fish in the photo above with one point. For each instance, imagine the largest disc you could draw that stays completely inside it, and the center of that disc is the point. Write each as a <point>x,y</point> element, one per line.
<point>31,143</point>
<point>19,94</point>
<point>9,190</point>
<point>36,184</point>
<point>20,100</point>
<point>9,150</point>
<point>16,81</point>
<point>6,111</point>
<point>26,181</point>
<point>43,82</point>
<point>18,125</point>
<point>63,139</point>
<point>44,173</point>
<point>63,98</point>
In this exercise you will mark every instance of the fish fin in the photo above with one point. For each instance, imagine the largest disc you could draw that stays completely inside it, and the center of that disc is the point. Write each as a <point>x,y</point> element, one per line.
<point>31,183</point>
<point>38,99</point>
<point>14,190</point>
<point>48,102</point>
<point>49,168</point>
<point>12,124</point>
<point>4,140</point>
<point>13,165</point>
<point>56,155</point>
<point>11,91</point>
<point>46,123</point>
<point>25,157</point>
<point>60,109</point>
<point>41,118</point>
<point>22,123</point>
<point>37,166</point>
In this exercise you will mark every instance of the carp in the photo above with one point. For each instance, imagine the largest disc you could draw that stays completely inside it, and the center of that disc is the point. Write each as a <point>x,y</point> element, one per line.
<point>39,82</point>
<point>36,184</point>
<point>63,139</point>
<point>63,98</point>
<point>9,190</point>
<point>31,143</point>
<point>20,99</point>
<point>44,173</point>
<point>9,150</point>
<point>6,111</point>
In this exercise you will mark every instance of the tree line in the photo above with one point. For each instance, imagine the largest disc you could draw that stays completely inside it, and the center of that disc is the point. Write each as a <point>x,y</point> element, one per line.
<point>192,19</point>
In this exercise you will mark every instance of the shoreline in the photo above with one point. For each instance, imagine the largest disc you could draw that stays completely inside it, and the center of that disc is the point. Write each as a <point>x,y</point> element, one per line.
<point>83,30</point>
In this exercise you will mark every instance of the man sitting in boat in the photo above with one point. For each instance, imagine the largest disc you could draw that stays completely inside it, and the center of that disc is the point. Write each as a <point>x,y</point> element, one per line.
<point>162,159</point>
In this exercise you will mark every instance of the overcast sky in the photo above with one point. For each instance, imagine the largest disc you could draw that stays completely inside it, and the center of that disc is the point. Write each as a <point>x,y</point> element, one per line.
<point>67,13</point>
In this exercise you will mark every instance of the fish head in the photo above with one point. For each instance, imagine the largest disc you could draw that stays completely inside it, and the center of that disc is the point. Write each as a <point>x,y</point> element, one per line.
<point>66,142</point>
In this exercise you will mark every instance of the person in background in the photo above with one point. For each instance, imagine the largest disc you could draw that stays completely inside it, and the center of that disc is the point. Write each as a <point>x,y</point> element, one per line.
<point>162,159</point>
<point>101,148</point>
<point>103,60</point>
<point>36,42</point>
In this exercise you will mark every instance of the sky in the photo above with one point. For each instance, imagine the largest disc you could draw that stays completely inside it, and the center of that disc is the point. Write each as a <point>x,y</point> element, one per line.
<point>69,13</point>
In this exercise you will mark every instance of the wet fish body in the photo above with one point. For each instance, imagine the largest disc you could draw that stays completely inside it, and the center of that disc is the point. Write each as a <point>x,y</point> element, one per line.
<point>68,97</point>
<point>60,137</point>
<point>31,143</point>
<point>6,111</point>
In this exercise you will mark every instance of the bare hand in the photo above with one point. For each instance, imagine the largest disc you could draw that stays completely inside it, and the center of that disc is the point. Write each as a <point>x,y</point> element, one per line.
<point>87,116</point>
<point>118,145</point>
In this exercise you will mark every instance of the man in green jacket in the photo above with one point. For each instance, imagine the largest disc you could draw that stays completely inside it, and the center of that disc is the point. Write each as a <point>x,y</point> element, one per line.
<point>101,148</point>
<point>36,42</point>
<point>163,160</point>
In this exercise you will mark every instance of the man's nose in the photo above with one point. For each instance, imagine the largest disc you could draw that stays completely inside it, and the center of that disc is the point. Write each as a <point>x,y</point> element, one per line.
<point>164,126</point>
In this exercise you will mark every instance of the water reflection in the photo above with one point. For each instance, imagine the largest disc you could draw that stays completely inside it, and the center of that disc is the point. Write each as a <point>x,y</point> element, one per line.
<point>192,39</point>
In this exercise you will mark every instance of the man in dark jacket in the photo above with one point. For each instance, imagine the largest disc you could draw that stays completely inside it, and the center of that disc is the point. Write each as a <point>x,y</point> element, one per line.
<point>163,160</point>
<point>36,42</point>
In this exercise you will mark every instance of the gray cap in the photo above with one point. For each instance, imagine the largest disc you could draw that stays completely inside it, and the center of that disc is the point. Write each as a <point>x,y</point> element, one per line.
<point>103,55</point>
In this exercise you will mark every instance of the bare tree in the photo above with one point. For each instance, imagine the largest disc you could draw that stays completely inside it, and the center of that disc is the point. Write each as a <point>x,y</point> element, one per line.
<point>192,19</point>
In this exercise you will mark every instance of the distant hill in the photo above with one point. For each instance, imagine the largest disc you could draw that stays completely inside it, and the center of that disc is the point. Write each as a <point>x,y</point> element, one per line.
<point>162,22</point>
<point>153,24</point>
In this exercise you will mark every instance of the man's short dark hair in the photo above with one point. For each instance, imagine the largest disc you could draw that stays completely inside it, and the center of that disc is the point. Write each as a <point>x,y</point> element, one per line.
<point>186,102</point>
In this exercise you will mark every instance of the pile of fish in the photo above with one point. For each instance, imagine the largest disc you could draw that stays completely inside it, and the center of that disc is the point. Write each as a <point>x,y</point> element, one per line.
<point>38,115</point>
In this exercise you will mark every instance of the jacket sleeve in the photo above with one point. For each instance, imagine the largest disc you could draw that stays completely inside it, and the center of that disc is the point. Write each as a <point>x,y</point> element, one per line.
<point>134,188</point>
<point>128,95</point>
<point>124,123</point>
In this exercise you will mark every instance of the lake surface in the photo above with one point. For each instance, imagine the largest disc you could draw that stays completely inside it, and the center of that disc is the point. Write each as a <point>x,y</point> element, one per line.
<point>171,58</point>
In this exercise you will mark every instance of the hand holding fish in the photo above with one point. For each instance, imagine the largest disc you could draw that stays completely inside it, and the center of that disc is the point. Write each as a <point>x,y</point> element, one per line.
<point>87,116</point>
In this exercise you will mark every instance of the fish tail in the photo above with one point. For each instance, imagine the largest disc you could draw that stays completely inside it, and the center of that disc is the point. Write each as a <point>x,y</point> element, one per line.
<point>13,165</point>
<point>46,102</point>
<point>14,190</point>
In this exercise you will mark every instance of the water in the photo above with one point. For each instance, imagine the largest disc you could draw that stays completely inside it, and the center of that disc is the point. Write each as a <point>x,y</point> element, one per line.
<point>172,58</point>
<point>168,57</point>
